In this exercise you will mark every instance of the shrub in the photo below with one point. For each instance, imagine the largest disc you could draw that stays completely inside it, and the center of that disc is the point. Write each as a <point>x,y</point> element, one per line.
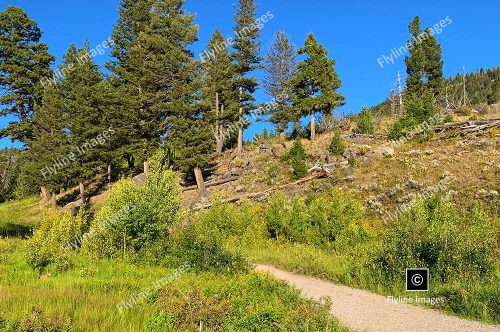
<point>337,146</point>
<point>135,217</point>
<point>49,243</point>
<point>252,302</point>
<point>432,233</point>
<point>34,321</point>
<point>364,122</point>
<point>296,158</point>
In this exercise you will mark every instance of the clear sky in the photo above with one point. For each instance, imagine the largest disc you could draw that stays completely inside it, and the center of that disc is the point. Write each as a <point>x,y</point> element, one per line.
<point>356,34</point>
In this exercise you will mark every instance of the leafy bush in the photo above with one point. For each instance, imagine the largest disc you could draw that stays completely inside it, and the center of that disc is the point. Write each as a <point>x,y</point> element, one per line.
<point>135,217</point>
<point>331,220</point>
<point>296,158</point>
<point>364,122</point>
<point>337,146</point>
<point>34,321</point>
<point>253,302</point>
<point>454,245</point>
<point>49,242</point>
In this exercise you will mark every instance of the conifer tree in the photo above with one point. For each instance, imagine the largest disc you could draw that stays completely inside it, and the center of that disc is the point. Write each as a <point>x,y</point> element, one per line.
<point>433,68</point>
<point>316,83</point>
<point>24,64</point>
<point>415,61</point>
<point>218,92</point>
<point>48,158</point>
<point>88,134</point>
<point>280,66</point>
<point>246,56</point>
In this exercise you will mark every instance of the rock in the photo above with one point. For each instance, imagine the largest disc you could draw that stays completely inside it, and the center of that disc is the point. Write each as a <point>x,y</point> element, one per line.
<point>386,151</point>
<point>481,193</point>
<point>436,163</point>
<point>413,184</point>
<point>349,153</point>
<point>240,189</point>
<point>429,152</point>
<point>140,179</point>
<point>265,147</point>
<point>493,194</point>
<point>413,153</point>
<point>406,199</point>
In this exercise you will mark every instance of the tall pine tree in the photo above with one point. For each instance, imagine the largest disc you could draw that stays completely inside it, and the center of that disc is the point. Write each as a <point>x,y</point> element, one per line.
<point>24,64</point>
<point>316,83</point>
<point>280,65</point>
<point>218,91</point>
<point>246,56</point>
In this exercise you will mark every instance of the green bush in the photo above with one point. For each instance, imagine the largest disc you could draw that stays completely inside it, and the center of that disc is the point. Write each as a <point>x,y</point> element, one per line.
<point>252,302</point>
<point>134,217</point>
<point>296,158</point>
<point>432,233</point>
<point>364,122</point>
<point>50,242</point>
<point>337,145</point>
<point>34,321</point>
<point>333,220</point>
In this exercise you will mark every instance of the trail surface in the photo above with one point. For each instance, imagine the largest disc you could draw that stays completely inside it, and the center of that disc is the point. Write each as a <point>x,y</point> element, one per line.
<point>364,311</point>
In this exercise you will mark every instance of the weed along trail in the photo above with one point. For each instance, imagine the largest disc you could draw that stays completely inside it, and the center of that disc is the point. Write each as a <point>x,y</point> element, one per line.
<point>364,311</point>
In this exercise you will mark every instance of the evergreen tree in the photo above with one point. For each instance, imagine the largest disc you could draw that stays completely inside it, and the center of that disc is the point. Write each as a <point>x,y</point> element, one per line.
<point>337,146</point>
<point>24,64</point>
<point>316,83</point>
<point>415,61</point>
<point>88,133</point>
<point>280,67</point>
<point>48,158</point>
<point>137,80</point>
<point>364,122</point>
<point>433,68</point>
<point>246,56</point>
<point>424,66</point>
<point>218,92</point>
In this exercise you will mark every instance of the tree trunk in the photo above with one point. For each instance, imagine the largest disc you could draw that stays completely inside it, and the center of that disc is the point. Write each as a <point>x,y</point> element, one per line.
<point>45,194</point>
<point>200,182</point>
<point>109,174</point>
<point>220,134</point>
<point>53,200</point>
<point>146,167</point>
<point>313,125</point>
<point>239,149</point>
<point>82,193</point>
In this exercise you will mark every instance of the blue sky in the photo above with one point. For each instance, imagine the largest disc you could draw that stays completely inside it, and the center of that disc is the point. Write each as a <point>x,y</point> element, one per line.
<point>356,33</point>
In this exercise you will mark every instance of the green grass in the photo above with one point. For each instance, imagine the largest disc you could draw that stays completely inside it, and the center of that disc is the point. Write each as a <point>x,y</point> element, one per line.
<point>17,218</point>
<point>86,296</point>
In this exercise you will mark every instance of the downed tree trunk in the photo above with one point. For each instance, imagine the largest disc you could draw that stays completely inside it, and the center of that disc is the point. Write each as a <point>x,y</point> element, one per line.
<point>472,129</point>
<point>317,175</point>
<point>213,183</point>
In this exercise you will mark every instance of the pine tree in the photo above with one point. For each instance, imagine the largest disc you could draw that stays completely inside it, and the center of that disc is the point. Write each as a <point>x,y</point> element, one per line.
<point>88,134</point>
<point>415,61</point>
<point>218,92</point>
<point>280,67</point>
<point>136,82</point>
<point>24,64</point>
<point>48,158</point>
<point>364,122</point>
<point>433,68</point>
<point>246,56</point>
<point>316,83</point>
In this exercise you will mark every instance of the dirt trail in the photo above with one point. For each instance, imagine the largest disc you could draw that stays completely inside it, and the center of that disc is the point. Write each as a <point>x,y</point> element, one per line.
<point>363,311</point>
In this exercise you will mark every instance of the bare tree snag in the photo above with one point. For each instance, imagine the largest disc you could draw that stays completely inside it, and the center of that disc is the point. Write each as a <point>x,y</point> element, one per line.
<point>313,125</point>
<point>239,148</point>
<point>200,182</point>
<point>146,167</point>
<point>53,200</point>
<point>109,174</point>
<point>45,194</point>
<point>82,193</point>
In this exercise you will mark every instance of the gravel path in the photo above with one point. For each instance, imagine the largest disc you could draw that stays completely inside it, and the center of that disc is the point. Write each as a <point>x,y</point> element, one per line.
<point>364,311</point>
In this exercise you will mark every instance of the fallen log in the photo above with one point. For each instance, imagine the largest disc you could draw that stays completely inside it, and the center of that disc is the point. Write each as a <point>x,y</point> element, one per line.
<point>213,183</point>
<point>316,175</point>
<point>472,129</point>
